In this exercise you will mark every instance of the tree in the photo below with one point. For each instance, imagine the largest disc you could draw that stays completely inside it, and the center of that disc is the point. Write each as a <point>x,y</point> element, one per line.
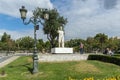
<point>40,45</point>
<point>101,38</point>
<point>5,37</point>
<point>90,41</point>
<point>7,43</point>
<point>74,43</point>
<point>114,43</point>
<point>25,43</point>
<point>52,25</point>
<point>47,46</point>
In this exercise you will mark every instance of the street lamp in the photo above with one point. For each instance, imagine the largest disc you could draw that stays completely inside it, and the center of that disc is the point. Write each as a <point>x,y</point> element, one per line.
<point>35,19</point>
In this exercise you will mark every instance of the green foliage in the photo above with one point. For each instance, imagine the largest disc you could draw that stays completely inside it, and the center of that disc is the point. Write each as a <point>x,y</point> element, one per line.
<point>101,39</point>
<point>114,43</point>
<point>74,43</point>
<point>47,46</point>
<point>5,37</point>
<point>25,43</point>
<point>105,58</point>
<point>21,69</point>
<point>40,45</point>
<point>117,55</point>
<point>7,43</point>
<point>91,44</point>
<point>96,43</point>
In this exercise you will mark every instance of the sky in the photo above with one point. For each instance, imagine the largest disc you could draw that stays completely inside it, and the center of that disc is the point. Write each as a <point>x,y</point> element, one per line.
<point>85,18</point>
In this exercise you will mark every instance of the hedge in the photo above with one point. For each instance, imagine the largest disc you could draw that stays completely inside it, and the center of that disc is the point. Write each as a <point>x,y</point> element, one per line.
<point>105,58</point>
<point>117,55</point>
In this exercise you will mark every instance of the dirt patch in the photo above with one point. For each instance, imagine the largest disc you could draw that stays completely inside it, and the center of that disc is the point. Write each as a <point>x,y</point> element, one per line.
<point>3,75</point>
<point>32,76</point>
<point>85,67</point>
<point>30,60</point>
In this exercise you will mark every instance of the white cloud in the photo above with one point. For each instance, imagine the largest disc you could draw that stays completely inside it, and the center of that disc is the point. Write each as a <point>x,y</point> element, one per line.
<point>11,7</point>
<point>85,17</point>
<point>89,17</point>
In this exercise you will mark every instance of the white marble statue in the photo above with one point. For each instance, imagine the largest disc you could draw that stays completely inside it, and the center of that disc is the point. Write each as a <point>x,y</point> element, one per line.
<point>61,37</point>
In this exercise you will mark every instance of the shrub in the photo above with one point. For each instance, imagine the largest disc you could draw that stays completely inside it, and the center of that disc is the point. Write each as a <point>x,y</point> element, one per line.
<point>105,58</point>
<point>117,55</point>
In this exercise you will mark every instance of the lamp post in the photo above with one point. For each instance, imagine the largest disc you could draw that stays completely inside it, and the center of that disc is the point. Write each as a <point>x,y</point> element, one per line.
<point>35,19</point>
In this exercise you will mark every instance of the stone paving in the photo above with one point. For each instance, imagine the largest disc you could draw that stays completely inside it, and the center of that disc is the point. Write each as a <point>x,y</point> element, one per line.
<point>62,57</point>
<point>7,61</point>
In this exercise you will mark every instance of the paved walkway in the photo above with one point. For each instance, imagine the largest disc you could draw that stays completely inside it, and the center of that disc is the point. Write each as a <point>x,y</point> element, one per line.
<point>9,60</point>
<point>62,57</point>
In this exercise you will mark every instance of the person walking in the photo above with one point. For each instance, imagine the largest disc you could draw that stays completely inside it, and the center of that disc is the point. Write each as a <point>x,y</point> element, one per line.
<point>81,48</point>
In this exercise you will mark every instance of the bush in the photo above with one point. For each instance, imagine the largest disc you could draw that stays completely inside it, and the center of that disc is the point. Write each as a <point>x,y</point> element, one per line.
<point>117,55</point>
<point>105,58</point>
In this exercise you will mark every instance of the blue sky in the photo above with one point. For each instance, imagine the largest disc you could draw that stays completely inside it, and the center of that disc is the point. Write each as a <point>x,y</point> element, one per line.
<point>85,17</point>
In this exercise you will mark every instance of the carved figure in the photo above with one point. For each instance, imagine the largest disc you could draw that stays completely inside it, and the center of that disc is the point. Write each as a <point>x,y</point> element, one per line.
<point>61,37</point>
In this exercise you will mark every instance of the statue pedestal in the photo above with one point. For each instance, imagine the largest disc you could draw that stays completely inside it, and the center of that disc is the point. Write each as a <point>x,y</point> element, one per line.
<point>61,50</point>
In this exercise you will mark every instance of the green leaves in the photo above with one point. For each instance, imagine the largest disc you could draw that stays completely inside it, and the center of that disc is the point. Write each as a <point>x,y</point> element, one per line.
<point>6,42</point>
<point>25,43</point>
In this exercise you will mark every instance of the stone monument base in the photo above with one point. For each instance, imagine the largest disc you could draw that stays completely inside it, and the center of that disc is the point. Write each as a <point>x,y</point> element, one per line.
<point>62,50</point>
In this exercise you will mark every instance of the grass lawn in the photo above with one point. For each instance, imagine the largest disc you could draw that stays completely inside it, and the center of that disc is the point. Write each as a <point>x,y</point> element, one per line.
<point>73,70</point>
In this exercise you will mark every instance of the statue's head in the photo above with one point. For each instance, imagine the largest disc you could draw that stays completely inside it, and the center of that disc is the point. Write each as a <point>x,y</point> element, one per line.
<point>61,28</point>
